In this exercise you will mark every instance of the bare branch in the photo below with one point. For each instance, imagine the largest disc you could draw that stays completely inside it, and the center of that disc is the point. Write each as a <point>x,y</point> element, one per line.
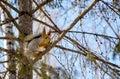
<point>85,54</point>
<point>1,62</point>
<point>35,19</point>
<point>110,7</point>
<point>40,5</point>
<point>89,33</point>
<point>15,9</point>
<point>5,50</point>
<point>47,16</point>
<point>37,72</point>
<point>8,21</point>
<point>10,16</point>
<point>10,38</point>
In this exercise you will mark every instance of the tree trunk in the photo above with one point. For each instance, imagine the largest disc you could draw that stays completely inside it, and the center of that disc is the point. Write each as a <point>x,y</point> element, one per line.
<point>25,23</point>
<point>8,44</point>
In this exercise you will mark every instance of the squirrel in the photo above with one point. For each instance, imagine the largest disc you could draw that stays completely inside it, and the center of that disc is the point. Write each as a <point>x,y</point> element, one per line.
<point>38,44</point>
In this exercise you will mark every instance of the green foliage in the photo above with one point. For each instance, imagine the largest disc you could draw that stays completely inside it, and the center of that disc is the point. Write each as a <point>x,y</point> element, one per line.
<point>24,69</point>
<point>119,9</point>
<point>117,47</point>
<point>12,67</point>
<point>116,50</point>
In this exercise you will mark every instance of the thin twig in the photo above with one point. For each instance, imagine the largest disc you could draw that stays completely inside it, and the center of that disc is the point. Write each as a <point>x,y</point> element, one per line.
<point>85,54</point>
<point>10,38</point>
<point>40,5</point>
<point>8,21</point>
<point>103,70</point>
<point>15,9</point>
<point>1,62</point>
<point>37,20</point>
<point>110,7</point>
<point>10,16</point>
<point>5,50</point>
<point>56,27</point>
<point>89,33</point>
<point>37,72</point>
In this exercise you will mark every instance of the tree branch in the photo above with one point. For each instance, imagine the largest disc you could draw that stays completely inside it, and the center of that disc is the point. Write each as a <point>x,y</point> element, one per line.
<point>10,38</point>
<point>63,33</point>
<point>40,5</point>
<point>15,9</point>
<point>10,16</point>
<point>85,54</point>
<point>56,28</point>
<point>8,21</point>
<point>5,50</point>
<point>89,33</point>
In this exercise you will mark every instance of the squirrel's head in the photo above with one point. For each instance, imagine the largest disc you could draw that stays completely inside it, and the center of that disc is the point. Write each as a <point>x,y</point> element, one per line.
<point>45,38</point>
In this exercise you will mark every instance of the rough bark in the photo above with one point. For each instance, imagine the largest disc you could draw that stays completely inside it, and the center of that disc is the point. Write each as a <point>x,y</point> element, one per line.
<point>25,23</point>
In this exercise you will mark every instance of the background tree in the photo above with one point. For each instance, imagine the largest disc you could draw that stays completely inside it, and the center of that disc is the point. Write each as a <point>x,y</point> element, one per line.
<point>9,45</point>
<point>84,41</point>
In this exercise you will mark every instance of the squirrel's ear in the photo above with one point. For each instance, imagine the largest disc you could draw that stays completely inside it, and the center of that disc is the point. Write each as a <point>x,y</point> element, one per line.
<point>44,32</point>
<point>49,32</point>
